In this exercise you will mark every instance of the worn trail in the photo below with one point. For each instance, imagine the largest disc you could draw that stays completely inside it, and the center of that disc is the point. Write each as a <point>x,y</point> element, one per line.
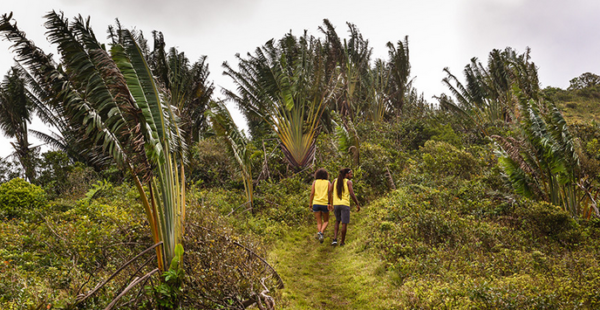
<point>321,276</point>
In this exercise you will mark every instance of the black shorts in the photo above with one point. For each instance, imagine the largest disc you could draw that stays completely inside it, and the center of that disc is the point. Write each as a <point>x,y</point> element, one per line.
<point>342,213</point>
<point>320,208</point>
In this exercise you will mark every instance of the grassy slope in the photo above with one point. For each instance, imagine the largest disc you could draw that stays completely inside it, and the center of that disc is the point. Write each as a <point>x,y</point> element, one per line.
<point>321,276</point>
<point>584,111</point>
<point>516,270</point>
<point>578,106</point>
<point>325,277</point>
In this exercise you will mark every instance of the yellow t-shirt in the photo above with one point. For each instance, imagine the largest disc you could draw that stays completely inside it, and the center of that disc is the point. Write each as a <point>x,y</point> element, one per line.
<point>321,192</point>
<point>345,199</point>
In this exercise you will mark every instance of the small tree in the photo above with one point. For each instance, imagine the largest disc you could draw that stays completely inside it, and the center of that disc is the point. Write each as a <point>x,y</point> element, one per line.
<point>16,109</point>
<point>280,86</point>
<point>585,80</point>
<point>17,197</point>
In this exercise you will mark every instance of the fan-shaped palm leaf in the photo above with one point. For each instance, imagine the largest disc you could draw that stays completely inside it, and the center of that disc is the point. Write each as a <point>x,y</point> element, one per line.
<point>113,102</point>
<point>277,85</point>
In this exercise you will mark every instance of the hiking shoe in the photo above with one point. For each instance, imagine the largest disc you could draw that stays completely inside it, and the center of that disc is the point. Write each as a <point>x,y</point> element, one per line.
<point>342,244</point>
<point>334,242</point>
<point>321,237</point>
<point>318,235</point>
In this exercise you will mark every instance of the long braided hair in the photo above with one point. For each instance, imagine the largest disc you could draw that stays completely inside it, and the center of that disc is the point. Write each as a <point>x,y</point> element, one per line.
<point>339,186</point>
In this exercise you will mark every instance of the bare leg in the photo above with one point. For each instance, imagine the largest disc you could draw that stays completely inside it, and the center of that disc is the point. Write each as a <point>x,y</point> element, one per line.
<point>344,226</point>
<point>318,217</point>
<point>335,231</point>
<point>325,222</point>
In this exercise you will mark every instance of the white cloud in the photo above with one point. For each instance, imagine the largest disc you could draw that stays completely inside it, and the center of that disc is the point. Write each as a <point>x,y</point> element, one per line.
<point>442,33</point>
<point>561,34</point>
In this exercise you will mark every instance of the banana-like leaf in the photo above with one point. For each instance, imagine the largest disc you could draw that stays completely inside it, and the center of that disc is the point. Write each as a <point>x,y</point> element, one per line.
<point>114,103</point>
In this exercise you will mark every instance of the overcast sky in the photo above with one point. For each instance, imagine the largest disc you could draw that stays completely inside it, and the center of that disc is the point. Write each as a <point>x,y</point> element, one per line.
<point>563,35</point>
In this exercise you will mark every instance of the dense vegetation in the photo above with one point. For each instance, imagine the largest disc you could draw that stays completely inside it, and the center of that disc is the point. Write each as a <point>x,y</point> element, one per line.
<point>153,198</point>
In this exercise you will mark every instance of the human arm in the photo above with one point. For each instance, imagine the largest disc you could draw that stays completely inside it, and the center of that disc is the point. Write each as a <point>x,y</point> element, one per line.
<point>330,197</point>
<point>351,191</point>
<point>312,196</point>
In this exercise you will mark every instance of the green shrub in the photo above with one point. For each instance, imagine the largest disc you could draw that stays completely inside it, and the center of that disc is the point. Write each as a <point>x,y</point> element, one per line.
<point>436,227</point>
<point>544,218</point>
<point>443,159</point>
<point>285,202</point>
<point>445,133</point>
<point>375,164</point>
<point>415,133</point>
<point>225,201</point>
<point>59,177</point>
<point>210,163</point>
<point>18,197</point>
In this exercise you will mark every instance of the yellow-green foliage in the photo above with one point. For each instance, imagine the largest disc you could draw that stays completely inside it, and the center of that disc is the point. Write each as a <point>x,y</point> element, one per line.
<point>446,252</point>
<point>376,162</point>
<point>593,147</point>
<point>545,219</point>
<point>285,202</point>
<point>56,255</point>
<point>18,197</point>
<point>445,133</point>
<point>222,200</point>
<point>277,206</point>
<point>578,105</point>
<point>211,164</point>
<point>443,159</point>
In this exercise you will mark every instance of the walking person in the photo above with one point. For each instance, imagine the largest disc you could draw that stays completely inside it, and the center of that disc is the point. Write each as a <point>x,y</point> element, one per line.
<point>320,201</point>
<point>342,191</point>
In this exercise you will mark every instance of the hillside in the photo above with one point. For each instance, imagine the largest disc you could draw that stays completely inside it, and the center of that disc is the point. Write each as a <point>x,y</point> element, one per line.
<point>154,198</point>
<point>578,106</point>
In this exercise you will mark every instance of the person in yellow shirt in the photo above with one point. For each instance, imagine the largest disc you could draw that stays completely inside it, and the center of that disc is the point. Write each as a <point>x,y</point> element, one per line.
<point>342,191</point>
<point>320,201</point>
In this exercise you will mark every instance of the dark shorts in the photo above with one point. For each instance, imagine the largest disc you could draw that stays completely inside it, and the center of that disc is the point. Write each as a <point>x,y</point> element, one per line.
<point>342,213</point>
<point>320,208</point>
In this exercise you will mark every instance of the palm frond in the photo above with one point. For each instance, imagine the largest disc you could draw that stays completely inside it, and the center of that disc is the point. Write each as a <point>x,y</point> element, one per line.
<point>224,126</point>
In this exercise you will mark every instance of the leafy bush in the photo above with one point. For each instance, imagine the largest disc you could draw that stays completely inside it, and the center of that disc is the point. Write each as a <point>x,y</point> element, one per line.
<point>58,176</point>
<point>549,220</point>
<point>443,159</point>
<point>18,197</point>
<point>375,164</point>
<point>446,134</point>
<point>69,250</point>
<point>285,202</point>
<point>225,201</point>
<point>210,163</point>
<point>440,258</point>
<point>415,132</point>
